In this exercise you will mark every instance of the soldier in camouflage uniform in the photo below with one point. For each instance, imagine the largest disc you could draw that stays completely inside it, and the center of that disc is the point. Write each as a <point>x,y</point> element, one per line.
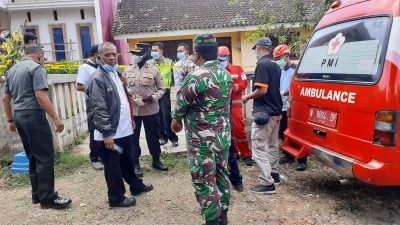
<point>204,104</point>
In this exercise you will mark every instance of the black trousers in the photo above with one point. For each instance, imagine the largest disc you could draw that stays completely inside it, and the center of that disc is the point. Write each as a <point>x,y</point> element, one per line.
<point>234,173</point>
<point>151,125</point>
<point>283,125</point>
<point>165,130</point>
<point>94,154</point>
<point>118,168</point>
<point>35,133</point>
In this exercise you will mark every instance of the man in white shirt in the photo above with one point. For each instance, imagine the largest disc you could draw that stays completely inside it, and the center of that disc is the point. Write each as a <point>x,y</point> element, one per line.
<point>183,67</point>
<point>114,126</point>
<point>85,72</point>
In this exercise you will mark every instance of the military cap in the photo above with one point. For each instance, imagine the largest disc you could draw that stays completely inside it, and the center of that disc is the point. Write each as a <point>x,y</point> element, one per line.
<point>205,39</point>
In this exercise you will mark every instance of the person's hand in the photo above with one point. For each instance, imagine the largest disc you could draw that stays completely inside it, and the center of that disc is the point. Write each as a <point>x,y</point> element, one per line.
<point>176,126</point>
<point>133,125</point>
<point>148,99</point>
<point>109,143</point>
<point>12,127</point>
<point>59,125</point>
<point>245,99</point>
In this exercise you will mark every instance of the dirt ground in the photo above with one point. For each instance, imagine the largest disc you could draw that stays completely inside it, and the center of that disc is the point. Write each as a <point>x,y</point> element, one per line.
<point>310,197</point>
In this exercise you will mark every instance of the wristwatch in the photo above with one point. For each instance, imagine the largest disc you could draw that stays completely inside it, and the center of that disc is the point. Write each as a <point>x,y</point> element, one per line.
<point>10,121</point>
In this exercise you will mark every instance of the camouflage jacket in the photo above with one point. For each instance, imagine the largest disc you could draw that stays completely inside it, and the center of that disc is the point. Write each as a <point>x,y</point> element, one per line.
<point>204,103</point>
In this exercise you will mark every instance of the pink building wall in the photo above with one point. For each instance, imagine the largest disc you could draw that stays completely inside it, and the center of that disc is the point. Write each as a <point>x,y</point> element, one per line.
<point>108,12</point>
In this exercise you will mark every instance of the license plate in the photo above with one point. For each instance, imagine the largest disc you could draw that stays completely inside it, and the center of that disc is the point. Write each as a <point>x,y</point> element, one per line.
<point>323,117</point>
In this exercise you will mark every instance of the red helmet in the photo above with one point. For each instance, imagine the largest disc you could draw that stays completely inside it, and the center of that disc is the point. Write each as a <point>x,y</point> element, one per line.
<point>281,50</point>
<point>224,51</point>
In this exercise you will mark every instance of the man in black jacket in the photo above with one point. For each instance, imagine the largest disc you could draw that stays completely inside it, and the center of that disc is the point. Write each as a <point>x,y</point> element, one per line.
<point>114,123</point>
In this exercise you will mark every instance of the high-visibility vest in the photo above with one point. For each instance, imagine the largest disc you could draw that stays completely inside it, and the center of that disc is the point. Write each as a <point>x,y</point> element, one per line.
<point>165,68</point>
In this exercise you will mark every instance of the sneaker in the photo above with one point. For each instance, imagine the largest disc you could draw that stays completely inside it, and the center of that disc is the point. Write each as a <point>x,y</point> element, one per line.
<point>238,188</point>
<point>248,161</point>
<point>276,177</point>
<point>97,166</point>
<point>58,203</point>
<point>163,141</point>
<point>262,189</point>
<point>301,166</point>
<point>175,144</point>
<point>128,202</point>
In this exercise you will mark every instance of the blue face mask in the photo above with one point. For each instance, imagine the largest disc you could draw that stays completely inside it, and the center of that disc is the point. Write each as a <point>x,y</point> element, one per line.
<point>98,62</point>
<point>155,55</point>
<point>109,68</point>
<point>181,55</point>
<point>223,64</point>
<point>258,57</point>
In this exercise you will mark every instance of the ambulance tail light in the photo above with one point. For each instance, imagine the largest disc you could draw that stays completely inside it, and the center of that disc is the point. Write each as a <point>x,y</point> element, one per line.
<point>385,128</point>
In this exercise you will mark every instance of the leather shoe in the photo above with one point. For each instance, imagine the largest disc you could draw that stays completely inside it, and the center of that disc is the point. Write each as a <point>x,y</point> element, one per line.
<point>35,199</point>
<point>128,202</point>
<point>159,166</point>
<point>142,188</point>
<point>138,171</point>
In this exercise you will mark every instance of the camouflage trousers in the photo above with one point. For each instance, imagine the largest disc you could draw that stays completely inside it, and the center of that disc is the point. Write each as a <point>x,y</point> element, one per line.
<point>208,166</point>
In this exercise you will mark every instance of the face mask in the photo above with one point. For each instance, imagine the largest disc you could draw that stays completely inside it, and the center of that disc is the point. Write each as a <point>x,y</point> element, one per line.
<point>224,64</point>
<point>137,59</point>
<point>109,68</point>
<point>258,57</point>
<point>281,63</point>
<point>98,62</point>
<point>181,55</point>
<point>155,55</point>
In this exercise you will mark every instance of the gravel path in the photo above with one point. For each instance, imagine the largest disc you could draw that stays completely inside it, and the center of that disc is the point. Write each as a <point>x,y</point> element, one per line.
<point>311,197</point>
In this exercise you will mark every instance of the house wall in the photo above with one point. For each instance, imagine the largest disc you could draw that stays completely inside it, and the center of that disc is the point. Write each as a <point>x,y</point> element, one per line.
<point>108,12</point>
<point>69,17</point>
<point>240,54</point>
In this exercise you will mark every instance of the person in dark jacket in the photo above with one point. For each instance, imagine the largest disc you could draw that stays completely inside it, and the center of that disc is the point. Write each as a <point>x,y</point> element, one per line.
<point>114,124</point>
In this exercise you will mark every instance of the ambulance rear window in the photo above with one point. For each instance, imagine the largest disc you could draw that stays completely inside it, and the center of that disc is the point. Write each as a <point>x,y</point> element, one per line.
<point>347,52</point>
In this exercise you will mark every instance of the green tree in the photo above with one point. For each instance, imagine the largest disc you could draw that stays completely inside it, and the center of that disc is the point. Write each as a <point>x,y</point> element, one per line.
<point>298,21</point>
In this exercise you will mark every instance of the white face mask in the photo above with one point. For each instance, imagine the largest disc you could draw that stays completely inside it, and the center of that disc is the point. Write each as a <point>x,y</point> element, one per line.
<point>137,59</point>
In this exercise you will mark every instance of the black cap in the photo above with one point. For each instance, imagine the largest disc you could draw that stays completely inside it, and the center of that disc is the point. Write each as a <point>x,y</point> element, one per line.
<point>140,48</point>
<point>94,50</point>
<point>264,42</point>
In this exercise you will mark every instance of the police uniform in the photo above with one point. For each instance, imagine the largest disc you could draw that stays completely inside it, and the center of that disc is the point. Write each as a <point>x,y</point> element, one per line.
<point>141,83</point>
<point>165,130</point>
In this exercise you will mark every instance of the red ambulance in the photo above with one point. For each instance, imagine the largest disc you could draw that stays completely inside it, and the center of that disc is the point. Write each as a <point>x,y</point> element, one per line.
<point>345,95</point>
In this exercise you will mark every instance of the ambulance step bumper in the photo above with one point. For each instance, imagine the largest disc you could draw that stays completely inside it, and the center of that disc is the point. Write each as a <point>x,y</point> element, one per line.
<point>340,163</point>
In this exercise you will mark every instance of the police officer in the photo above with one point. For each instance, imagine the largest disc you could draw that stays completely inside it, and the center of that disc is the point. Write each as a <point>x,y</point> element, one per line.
<point>204,104</point>
<point>165,66</point>
<point>145,87</point>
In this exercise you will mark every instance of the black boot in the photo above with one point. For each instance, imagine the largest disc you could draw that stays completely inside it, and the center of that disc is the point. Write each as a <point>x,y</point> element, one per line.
<point>223,219</point>
<point>211,223</point>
